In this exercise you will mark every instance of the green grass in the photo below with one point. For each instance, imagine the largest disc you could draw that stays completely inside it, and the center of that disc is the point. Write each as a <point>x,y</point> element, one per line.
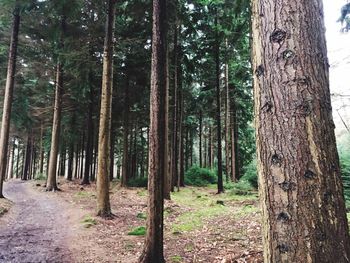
<point>176,259</point>
<point>138,231</point>
<point>89,221</point>
<point>204,206</point>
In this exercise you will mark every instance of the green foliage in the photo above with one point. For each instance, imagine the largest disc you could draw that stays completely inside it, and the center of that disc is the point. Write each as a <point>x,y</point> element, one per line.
<point>138,231</point>
<point>251,174</point>
<point>198,176</point>
<point>89,221</point>
<point>243,187</point>
<point>138,182</point>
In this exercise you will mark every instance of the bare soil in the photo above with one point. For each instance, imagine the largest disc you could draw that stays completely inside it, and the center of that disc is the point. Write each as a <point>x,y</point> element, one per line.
<point>62,226</point>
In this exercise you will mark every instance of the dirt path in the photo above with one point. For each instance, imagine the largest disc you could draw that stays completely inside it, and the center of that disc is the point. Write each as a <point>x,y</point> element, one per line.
<point>37,228</point>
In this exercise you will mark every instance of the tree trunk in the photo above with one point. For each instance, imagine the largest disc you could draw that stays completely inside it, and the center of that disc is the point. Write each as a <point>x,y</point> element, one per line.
<point>89,140</point>
<point>200,138</point>
<point>303,208</point>
<point>234,143</point>
<point>218,106</point>
<point>125,169</point>
<point>103,204</point>
<point>51,184</point>
<point>153,248</point>
<point>17,160</point>
<point>70,161</point>
<point>167,175</point>
<point>81,173</point>
<point>41,151</point>
<point>227,124</point>
<point>27,158</point>
<point>175,145</point>
<point>10,80</point>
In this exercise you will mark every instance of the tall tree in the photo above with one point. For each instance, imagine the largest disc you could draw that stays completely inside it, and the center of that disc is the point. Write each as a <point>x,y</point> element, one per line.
<point>10,80</point>
<point>103,204</point>
<point>51,184</point>
<point>153,248</point>
<point>304,217</point>
<point>218,104</point>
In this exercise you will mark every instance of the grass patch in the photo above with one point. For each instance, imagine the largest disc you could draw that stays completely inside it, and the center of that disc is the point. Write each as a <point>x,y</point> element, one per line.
<point>205,205</point>
<point>89,221</point>
<point>138,231</point>
<point>176,259</point>
<point>3,211</point>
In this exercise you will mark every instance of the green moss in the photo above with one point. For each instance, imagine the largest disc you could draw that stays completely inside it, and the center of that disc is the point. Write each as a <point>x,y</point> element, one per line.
<point>138,231</point>
<point>89,221</point>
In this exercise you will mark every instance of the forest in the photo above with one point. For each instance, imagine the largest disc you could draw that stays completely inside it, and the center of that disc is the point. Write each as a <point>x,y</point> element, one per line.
<point>169,131</point>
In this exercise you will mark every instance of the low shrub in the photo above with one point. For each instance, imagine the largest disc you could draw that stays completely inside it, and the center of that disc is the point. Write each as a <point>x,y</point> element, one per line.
<point>197,176</point>
<point>138,182</point>
<point>251,174</point>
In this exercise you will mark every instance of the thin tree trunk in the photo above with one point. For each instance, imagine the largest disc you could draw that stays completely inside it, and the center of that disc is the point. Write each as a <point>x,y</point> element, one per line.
<point>175,145</point>
<point>218,106</point>
<point>229,176</point>
<point>51,184</point>
<point>200,138</point>
<point>17,160</point>
<point>234,144</point>
<point>153,248</point>
<point>303,209</point>
<point>41,151</point>
<point>8,96</point>
<point>103,204</point>
<point>81,173</point>
<point>125,169</point>
<point>70,161</point>
<point>27,158</point>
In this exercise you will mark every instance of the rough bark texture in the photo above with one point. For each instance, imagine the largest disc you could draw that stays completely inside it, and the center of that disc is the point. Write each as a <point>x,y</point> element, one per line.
<point>153,249</point>
<point>10,80</point>
<point>303,207</point>
<point>103,204</point>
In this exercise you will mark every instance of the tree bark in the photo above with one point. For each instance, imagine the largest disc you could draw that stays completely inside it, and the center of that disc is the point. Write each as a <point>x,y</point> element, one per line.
<point>234,143</point>
<point>200,138</point>
<point>218,106</point>
<point>303,208</point>
<point>153,248</point>
<point>227,123</point>
<point>27,158</point>
<point>103,204</point>
<point>90,134</point>
<point>51,184</point>
<point>8,96</point>
<point>125,169</point>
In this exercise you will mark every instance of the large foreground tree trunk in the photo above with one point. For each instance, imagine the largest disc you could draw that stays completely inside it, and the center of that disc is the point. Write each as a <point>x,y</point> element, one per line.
<point>10,80</point>
<point>103,204</point>
<point>153,249</point>
<point>304,217</point>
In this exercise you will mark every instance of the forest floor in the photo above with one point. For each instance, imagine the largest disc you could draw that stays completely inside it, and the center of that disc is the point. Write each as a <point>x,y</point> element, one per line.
<point>200,226</point>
